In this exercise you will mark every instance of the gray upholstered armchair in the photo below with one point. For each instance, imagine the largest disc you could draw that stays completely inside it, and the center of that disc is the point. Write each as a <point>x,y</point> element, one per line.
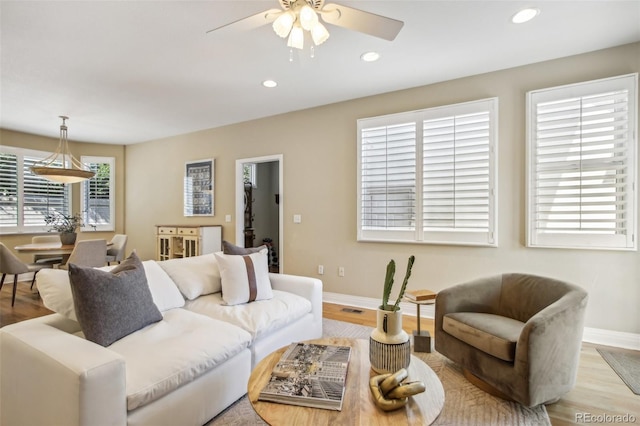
<point>520,334</point>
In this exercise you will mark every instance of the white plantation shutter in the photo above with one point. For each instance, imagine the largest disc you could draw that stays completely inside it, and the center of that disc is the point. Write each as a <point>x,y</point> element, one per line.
<point>26,198</point>
<point>458,176</point>
<point>388,180</point>
<point>97,194</point>
<point>8,190</point>
<point>582,165</point>
<point>428,176</point>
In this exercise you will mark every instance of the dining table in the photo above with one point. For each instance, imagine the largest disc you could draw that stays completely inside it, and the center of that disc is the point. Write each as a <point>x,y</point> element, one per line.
<point>48,249</point>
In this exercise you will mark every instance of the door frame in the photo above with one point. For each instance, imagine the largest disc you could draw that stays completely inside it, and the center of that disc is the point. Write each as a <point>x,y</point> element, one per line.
<point>279,158</point>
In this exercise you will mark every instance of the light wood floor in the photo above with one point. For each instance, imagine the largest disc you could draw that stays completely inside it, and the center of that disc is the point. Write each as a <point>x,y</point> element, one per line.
<point>598,391</point>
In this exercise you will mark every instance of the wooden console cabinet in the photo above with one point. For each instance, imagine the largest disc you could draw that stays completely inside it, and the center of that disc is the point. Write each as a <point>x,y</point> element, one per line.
<point>176,241</point>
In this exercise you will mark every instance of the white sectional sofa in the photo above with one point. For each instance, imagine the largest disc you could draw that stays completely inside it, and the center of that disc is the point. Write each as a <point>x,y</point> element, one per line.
<point>182,370</point>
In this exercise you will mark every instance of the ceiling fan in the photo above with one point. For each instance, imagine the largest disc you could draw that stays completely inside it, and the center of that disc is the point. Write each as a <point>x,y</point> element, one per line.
<point>297,16</point>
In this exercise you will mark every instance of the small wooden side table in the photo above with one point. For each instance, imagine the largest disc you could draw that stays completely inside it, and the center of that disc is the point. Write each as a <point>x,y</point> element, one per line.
<point>422,338</point>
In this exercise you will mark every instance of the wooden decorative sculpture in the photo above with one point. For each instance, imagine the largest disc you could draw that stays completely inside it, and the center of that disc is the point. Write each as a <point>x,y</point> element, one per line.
<point>390,392</point>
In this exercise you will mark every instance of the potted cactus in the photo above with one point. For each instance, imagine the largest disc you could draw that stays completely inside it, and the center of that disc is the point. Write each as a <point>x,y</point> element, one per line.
<point>389,344</point>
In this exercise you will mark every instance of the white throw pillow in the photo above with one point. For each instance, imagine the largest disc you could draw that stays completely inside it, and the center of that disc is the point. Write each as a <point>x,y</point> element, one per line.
<point>55,289</point>
<point>195,275</point>
<point>164,291</point>
<point>245,278</point>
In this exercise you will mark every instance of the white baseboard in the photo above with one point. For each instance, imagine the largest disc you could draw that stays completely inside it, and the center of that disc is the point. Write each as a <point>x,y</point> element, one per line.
<point>426,311</point>
<point>619,339</point>
<point>592,335</point>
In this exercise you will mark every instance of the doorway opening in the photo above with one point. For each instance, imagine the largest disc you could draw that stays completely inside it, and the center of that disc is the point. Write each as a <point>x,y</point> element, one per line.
<point>259,207</point>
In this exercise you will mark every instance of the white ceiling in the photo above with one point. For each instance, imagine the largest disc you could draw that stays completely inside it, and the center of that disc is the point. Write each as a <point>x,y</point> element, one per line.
<point>132,71</point>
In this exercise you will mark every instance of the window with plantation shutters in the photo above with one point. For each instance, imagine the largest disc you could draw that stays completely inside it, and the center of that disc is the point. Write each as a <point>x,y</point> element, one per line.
<point>388,180</point>
<point>26,198</point>
<point>97,194</point>
<point>582,155</point>
<point>429,176</point>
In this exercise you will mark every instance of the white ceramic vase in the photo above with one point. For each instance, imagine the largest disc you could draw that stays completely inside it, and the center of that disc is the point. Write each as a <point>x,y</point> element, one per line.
<point>389,344</point>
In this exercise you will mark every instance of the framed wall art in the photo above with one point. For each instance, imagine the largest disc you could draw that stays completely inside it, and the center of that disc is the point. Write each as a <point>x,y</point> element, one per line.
<point>199,187</point>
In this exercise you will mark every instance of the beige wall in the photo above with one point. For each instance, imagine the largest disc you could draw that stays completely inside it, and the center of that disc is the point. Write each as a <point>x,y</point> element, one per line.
<point>319,148</point>
<point>28,141</point>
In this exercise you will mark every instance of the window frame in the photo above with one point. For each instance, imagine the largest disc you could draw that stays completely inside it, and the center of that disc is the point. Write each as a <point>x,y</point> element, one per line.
<point>21,228</point>
<point>420,234</point>
<point>111,226</point>
<point>585,240</point>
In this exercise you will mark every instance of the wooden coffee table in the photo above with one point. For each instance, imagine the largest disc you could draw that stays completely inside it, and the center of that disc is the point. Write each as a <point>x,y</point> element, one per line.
<point>358,407</point>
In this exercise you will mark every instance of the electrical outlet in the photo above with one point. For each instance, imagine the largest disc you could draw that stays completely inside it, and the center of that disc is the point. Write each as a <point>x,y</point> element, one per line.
<point>320,269</point>
<point>341,271</point>
<point>227,218</point>
<point>297,218</point>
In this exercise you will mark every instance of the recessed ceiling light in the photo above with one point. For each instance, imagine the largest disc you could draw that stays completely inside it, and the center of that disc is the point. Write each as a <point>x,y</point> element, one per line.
<point>525,15</point>
<point>370,56</point>
<point>269,83</point>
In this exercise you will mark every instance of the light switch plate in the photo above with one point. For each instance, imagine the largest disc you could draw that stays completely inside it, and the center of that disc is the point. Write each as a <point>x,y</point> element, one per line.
<point>297,218</point>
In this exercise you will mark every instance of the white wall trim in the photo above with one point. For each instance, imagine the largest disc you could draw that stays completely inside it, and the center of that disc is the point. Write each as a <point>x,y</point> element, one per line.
<point>619,339</point>
<point>426,311</point>
<point>592,335</point>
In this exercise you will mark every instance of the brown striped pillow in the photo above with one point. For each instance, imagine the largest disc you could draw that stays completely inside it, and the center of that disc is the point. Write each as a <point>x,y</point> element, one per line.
<point>245,278</point>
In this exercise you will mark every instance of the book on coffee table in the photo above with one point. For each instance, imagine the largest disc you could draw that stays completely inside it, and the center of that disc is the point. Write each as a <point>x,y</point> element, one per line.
<point>309,375</point>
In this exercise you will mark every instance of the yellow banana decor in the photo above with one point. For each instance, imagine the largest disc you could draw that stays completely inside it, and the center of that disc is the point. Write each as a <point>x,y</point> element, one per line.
<point>390,392</point>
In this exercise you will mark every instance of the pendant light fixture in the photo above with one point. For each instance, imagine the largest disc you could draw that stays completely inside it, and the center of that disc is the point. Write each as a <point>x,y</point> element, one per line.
<point>49,169</point>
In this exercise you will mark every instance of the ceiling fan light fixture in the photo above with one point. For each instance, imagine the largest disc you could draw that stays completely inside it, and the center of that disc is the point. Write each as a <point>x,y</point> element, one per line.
<point>296,37</point>
<point>284,23</point>
<point>308,17</point>
<point>319,34</point>
<point>49,169</point>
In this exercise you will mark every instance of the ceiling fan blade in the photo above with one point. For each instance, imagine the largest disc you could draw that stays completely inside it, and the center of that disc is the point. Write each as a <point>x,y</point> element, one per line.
<point>251,22</point>
<point>361,21</point>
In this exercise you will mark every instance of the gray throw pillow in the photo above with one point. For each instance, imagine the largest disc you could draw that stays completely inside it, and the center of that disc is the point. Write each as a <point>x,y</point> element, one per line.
<point>112,304</point>
<point>228,248</point>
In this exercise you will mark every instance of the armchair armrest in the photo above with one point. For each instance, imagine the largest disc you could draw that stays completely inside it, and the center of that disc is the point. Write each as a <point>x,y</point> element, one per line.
<point>309,288</point>
<point>69,380</point>
<point>548,349</point>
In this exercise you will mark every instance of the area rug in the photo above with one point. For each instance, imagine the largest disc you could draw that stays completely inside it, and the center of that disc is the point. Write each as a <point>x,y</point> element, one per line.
<point>626,364</point>
<point>465,405</point>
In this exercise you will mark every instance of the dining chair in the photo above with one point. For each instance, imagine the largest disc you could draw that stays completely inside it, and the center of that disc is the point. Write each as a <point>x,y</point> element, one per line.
<point>12,265</point>
<point>116,250</point>
<point>89,253</point>
<point>46,258</point>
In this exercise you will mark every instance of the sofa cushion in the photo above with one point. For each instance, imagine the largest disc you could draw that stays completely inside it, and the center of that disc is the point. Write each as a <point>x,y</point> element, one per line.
<point>168,354</point>
<point>493,334</point>
<point>228,248</point>
<point>53,286</point>
<point>245,278</point>
<point>164,291</point>
<point>258,318</point>
<point>112,304</point>
<point>194,276</point>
